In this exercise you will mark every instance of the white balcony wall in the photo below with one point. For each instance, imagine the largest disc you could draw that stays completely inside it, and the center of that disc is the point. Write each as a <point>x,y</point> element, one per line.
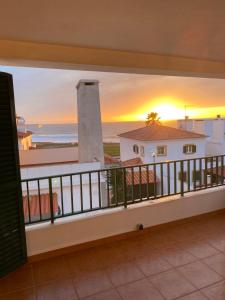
<point>96,225</point>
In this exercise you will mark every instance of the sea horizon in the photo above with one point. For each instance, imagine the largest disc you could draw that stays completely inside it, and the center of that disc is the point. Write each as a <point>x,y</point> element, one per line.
<point>68,132</point>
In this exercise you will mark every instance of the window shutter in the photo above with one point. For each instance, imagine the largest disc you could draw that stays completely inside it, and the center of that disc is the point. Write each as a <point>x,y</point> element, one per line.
<point>184,149</point>
<point>194,148</point>
<point>12,231</point>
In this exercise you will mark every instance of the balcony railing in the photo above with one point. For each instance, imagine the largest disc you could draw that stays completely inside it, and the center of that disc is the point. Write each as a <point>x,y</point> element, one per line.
<point>59,196</point>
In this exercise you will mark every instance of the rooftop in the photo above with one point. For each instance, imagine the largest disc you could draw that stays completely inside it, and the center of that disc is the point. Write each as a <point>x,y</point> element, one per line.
<point>132,162</point>
<point>22,135</point>
<point>158,132</point>
<point>137,178</point>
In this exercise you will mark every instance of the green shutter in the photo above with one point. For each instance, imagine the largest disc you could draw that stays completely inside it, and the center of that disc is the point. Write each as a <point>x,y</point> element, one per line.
<point>12,231</point>
<point>194,148</point>
<point>184,149</point>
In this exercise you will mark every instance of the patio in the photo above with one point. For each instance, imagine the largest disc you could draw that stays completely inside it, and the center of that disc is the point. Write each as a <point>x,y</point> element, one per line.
<point>183,260</point>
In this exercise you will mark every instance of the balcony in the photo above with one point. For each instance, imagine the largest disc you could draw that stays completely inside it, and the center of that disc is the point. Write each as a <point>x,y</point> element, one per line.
<point>54,197</point>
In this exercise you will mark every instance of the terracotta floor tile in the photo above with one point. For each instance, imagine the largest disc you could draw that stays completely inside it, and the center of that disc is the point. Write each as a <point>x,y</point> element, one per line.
<point>217,263</point>
<point>57,290</point>
<point>177,257</point>
<point>201,249</point>
<point>124,273</point>
<point>152,265</point>
<point>194,296</point>
<point>93,259</point>
<point>218,243</point>
<point>116,252</point>
<point>199,274</point>
<point>108,295</point>
<point>50,269</point>
<point>27,294</point>
<point>20,279</point>
<point>172,284</point>
<point>215,292</point>
<point>139,290</point>
<point>92,283</point>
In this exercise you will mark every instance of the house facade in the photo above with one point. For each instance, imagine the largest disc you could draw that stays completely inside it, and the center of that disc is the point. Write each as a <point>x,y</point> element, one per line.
<point>162,144</point>
<point>159,143</point>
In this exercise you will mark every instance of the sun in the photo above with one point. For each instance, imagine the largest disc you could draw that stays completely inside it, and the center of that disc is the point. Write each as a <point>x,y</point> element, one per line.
<point>167,109</point>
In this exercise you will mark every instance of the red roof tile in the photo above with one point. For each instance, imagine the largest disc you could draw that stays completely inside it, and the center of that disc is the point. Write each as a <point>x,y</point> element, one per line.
<point>109,160</point>
<point>132,162</point>
<point>158,132</point>
<point>35,208</point>
<point>145,177</point>
<point>24,134</point>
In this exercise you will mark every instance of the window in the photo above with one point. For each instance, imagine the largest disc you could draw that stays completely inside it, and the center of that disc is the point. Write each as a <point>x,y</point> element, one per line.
<point>161,150</point>
<point>189,149</point>
<point>136,149</point>
<point>142,151</point>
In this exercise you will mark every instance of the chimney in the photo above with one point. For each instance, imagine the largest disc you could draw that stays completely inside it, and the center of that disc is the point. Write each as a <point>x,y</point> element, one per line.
<point>199,126</point>
<point>90,140</point>
<point>218,130</point>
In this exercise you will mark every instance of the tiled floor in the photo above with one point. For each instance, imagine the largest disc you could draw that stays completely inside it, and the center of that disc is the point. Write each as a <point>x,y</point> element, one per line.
<point>185,262</point>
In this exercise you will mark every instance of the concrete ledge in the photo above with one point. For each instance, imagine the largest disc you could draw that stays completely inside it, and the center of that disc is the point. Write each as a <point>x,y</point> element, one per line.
<point>81,229</point>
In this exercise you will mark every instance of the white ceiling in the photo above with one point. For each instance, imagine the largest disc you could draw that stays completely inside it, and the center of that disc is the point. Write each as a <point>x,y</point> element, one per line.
<point>189,28</point>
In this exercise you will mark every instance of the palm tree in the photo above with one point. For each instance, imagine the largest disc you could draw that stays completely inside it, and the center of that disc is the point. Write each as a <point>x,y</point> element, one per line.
<point>152,118</point>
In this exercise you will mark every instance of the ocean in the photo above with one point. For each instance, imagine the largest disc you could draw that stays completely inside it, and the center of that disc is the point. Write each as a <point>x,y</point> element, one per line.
<point>68,133</point>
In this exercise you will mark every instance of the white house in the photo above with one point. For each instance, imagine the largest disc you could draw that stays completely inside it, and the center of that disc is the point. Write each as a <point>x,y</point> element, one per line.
<point>158,143</point>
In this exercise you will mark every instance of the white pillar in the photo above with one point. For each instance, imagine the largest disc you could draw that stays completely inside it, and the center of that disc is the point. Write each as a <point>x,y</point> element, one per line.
<point>89,122</point>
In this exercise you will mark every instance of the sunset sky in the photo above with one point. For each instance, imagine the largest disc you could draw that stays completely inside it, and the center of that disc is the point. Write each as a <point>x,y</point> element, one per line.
<point>49,96</point>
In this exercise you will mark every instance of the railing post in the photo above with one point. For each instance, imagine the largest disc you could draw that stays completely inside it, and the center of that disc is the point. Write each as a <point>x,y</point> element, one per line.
<point>51,200</point>
<point>182,178</point>
<point>124,188</point>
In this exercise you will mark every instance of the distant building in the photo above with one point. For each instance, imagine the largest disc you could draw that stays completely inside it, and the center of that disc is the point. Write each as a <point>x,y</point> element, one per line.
<point>24,135</point>
<point>214,129</point>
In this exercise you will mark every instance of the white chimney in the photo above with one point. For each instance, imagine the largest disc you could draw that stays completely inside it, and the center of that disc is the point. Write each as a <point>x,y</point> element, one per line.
<point>218,130</point>
<point>90,140</point>
<point>199,126</point>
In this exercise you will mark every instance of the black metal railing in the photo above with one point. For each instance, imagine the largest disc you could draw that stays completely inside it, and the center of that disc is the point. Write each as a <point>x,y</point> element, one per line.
<point>53,197</point>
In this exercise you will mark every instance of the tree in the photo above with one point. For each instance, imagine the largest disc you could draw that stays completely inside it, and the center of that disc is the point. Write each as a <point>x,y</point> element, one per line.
<point>152,118</point>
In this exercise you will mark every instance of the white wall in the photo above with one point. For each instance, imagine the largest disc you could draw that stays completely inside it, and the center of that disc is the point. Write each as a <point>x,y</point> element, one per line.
<point>25,143</point>
<point>97,225</point>
<point>42,156</point>
<point>174,149</point>
<point>214,148</point>
<point>126,148</point>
